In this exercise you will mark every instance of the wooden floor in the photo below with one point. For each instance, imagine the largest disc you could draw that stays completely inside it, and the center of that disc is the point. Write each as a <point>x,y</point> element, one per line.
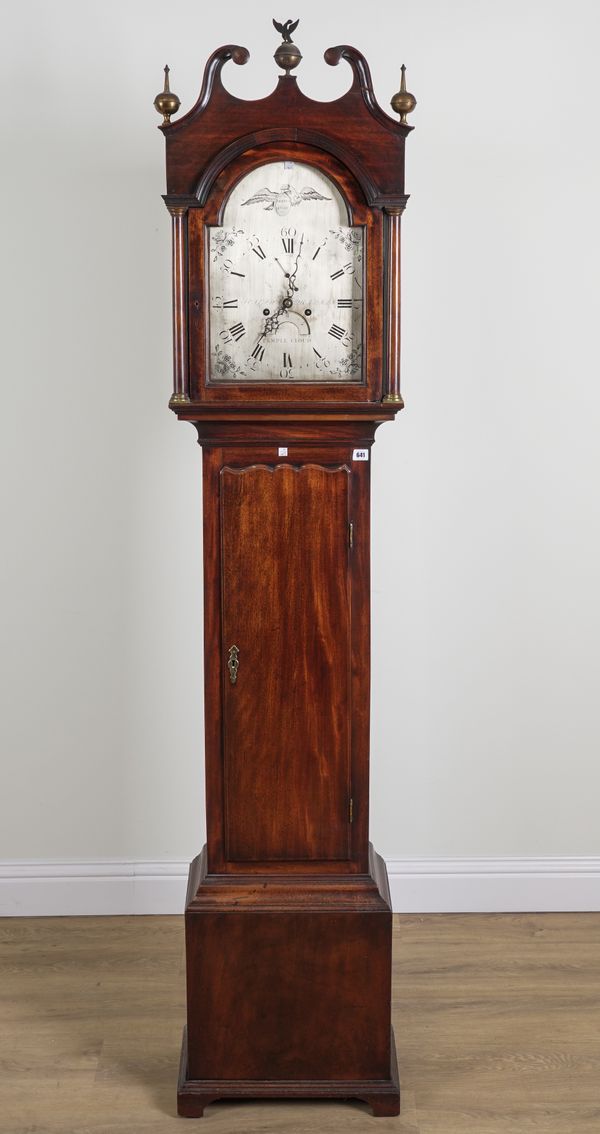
<point>497,1019</point>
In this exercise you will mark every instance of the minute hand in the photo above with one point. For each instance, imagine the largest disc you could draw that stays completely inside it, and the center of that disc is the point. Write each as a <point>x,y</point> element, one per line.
<point>292,279</point>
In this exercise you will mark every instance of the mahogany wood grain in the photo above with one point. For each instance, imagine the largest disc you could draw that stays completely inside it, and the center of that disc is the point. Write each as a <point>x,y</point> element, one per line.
<point>308,436</point>
<point>286,607</point>
<point>275,973</point>
<point>274,542</point>
<point>276,990</point>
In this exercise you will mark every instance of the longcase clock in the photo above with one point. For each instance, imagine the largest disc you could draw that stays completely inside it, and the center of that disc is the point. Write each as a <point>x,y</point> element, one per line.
<point>286,276</point>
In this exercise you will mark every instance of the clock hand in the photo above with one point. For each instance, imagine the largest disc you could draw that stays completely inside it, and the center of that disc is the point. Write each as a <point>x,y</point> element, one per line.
<point>272,320</point>
<point>292,279</point>
<point>286,274</point>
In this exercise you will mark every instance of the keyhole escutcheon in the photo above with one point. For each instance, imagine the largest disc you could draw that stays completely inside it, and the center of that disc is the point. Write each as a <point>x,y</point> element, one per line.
<point>233,663</point>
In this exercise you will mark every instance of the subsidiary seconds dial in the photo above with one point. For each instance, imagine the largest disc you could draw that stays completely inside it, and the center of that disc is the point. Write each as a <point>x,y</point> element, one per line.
<point>286,281</point>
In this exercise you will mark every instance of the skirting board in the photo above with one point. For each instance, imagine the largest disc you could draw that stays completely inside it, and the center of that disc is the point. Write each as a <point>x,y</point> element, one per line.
<point>495,885</point>
<point>72,889</point>
<point>418,885</point>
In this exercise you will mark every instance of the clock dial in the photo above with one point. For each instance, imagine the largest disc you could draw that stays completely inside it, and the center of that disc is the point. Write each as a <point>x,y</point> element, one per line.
<point>286,281</point>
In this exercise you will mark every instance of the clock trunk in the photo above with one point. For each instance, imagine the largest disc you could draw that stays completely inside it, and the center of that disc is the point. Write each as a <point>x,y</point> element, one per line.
<point>285,595</point>
<point>286,546</point>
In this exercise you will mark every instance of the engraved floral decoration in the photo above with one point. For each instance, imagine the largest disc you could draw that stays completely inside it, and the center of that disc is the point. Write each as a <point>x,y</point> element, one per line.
<point>351,240</point>
<point>350,363</point>
<point>224,239</point>
<point>225,365</point>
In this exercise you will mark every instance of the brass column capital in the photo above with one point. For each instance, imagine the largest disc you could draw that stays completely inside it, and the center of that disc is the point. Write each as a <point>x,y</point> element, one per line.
<point>177,210</point>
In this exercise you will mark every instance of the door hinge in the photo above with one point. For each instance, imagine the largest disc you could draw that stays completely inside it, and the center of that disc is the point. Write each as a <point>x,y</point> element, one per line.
<point>351,534</point>
<point>351,811</point>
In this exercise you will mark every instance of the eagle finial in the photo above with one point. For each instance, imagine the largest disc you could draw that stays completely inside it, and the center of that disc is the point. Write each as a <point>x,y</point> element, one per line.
<point>287,29</point>
<point>287,55</point>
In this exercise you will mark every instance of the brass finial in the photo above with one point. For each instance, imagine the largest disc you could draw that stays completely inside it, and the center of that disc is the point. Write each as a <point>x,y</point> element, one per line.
<point>165,102</point>
<point>403,101</point>
<point>287,55</point>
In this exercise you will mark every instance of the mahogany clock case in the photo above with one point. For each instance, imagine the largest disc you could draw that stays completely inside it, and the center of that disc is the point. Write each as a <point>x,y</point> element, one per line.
<point>288,914</point>
<point>359,147</point>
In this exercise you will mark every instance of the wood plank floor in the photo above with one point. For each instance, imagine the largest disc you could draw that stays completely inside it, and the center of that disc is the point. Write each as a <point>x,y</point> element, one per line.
<point>497,1019</point>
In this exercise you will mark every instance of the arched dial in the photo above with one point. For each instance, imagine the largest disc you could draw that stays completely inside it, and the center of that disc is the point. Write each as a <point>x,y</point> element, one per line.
<point>286,281</point>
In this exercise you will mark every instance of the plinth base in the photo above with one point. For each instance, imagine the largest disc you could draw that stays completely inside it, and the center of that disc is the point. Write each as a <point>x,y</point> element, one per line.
<point>193,1095</point>
<point>288,989</point>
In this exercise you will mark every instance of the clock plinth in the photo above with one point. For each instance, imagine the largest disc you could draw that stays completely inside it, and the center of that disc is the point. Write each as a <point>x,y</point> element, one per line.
<point>286,250</point>
<point>303,973</point>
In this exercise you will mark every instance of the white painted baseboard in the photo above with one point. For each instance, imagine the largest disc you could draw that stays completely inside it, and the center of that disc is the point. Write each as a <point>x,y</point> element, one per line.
<point>56,889</point>
<point>494,885</point>
<point>418,885</point>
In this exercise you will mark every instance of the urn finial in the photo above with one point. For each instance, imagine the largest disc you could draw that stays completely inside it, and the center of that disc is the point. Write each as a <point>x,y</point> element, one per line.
<point>403,102</point>
<point>166,102</point>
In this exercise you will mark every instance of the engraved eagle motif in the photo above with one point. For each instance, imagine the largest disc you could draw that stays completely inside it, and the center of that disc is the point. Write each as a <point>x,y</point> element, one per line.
<point>287,196</point>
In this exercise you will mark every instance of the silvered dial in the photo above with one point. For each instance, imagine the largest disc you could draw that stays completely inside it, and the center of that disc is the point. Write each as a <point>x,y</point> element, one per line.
<point>286,281</point>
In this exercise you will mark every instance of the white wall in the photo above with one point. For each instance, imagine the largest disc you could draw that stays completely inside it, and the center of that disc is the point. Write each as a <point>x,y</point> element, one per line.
<point>486,535</point>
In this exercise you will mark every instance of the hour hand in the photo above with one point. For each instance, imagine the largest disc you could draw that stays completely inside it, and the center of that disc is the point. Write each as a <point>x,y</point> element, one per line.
<point>286,274</point>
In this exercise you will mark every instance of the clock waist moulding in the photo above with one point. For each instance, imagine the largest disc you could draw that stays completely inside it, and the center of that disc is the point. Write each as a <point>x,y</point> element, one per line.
<point>286,327</point>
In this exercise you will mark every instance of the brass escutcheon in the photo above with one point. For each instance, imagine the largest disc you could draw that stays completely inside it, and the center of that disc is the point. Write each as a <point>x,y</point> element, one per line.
<point>233,664</point>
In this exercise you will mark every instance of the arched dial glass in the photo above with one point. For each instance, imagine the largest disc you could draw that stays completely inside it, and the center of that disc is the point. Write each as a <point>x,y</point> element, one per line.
<point>286,281</point>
